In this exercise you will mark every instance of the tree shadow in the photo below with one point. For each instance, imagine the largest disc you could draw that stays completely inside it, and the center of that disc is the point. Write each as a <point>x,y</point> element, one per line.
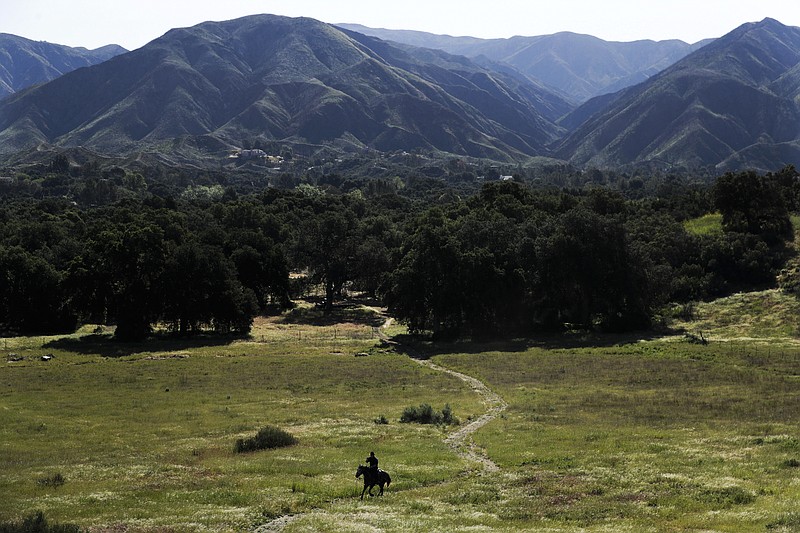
<point>106,346</point>
<point>423,347</point>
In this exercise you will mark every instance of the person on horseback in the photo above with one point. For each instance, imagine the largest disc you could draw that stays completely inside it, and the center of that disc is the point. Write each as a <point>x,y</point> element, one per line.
<point>372,461</point>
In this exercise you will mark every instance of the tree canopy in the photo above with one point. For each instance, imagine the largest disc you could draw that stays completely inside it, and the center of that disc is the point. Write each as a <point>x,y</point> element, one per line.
<point>507,259</point>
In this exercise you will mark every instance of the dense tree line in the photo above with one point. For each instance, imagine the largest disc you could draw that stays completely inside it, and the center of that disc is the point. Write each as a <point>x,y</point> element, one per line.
<point>510,258</point>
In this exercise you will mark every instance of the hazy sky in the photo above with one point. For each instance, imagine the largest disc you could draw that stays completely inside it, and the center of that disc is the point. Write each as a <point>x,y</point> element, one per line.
<point>133,23</point>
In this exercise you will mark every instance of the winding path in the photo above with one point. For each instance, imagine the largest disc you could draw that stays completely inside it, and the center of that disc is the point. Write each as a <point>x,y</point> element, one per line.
<point>461,440</point>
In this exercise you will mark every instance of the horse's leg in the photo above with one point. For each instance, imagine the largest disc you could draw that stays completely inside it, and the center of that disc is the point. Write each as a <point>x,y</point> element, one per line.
<point>363,491</point>
<point>370,489</point>
<point>381,494</point>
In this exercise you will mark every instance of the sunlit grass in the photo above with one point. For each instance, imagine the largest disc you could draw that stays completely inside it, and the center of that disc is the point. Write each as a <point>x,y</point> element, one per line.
<point>146,438</point>
<point>662,435</point>
<point>767,316</point>
<point>710,224</point>
<point>682,435</point>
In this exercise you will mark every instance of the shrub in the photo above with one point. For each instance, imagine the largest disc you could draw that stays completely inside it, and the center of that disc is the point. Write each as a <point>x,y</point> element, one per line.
<point>421,415</point>
<point>727,496</point>
<point>37,523</point>
<point>267,438</point>
<point>381,420</point>
<point>447,415</point>
<point>56,480</point>
<point>424,414</point>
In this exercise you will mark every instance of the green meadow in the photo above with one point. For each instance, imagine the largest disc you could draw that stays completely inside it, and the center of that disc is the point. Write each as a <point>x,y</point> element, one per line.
<point>600,433</point>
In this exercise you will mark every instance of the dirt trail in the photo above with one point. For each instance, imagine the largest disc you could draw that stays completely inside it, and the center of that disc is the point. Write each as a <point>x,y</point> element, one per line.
<point>461,440</point>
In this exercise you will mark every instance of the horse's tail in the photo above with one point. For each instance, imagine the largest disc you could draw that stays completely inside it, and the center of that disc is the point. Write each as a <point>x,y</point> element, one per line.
<point>388,479</point>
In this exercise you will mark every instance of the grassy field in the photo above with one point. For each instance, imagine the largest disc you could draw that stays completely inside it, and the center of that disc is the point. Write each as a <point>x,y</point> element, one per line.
<point>600,434</point>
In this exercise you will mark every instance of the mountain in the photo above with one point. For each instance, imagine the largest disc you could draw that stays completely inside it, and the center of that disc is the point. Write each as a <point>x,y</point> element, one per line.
<point>24,62</point>
<point>580,66</point>
<point>731,104</point>
<point>297,81</point>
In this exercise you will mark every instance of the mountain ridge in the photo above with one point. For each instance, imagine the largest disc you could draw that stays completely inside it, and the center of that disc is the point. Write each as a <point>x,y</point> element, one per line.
<point>24,62</point>
<point>717,105</point>
<point>292,80</point>
<point>581,66</point>
<point>197,93</point>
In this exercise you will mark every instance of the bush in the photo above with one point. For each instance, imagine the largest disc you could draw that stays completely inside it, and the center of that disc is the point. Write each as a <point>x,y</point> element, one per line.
<point>424,414</point>
<point>381,420</point>
<point>727,496</point>
<point>37,523</point>
<point>421,415</point>
<point>447,415</point>
<point>56,480</point>
<point>267,438</point>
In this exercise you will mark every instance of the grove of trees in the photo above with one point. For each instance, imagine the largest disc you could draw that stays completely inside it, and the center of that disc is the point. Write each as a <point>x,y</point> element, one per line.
<point>508,259</point>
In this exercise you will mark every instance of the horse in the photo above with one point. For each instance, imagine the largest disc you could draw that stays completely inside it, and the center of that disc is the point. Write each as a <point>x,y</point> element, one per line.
<point>372,478</point>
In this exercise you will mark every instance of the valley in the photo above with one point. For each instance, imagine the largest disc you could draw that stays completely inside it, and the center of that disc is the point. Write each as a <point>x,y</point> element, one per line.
<point>552,282</point>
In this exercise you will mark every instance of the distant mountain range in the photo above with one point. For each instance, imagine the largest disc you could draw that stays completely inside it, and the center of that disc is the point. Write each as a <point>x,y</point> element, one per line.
<point>24,62</point>
<point>579,66</point>
<point>732,104</point>
<point>294,80</point>
<point>196,93</point>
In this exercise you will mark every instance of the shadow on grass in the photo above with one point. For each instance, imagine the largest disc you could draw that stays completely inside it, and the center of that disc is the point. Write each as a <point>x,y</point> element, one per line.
<point>106,346</point>
<point>350,311</point>
<point>423,347</point>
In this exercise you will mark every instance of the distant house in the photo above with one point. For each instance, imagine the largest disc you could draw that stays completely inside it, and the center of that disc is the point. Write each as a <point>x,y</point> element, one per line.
<point>256,154</point>
<point>252,154</point>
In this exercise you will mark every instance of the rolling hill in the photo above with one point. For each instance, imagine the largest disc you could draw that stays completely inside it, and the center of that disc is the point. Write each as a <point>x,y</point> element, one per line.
<point>297,81</point>
<point>24,63</point>
<point>732,104</point>
<point>580,66</point>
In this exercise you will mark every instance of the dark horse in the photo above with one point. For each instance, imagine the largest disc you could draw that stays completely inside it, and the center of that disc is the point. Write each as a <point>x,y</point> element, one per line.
<point>371,478</point>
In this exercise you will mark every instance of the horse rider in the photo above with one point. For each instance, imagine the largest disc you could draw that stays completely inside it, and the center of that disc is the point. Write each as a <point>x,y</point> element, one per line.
<point>372,461</point>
